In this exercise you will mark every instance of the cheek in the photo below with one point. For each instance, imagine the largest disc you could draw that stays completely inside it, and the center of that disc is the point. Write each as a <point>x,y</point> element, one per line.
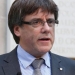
<point>27,39</point>
<point>30,36</point>
<point>33,37</point>
<point>53,34</point>
<point>31,40</point>
<point>53,30</point>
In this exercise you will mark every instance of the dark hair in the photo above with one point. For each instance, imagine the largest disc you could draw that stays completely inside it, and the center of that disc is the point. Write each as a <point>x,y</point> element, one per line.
<point>21,8</point>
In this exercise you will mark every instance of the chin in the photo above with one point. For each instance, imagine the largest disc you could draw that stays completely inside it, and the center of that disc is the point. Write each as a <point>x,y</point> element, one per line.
<point>45,49</point>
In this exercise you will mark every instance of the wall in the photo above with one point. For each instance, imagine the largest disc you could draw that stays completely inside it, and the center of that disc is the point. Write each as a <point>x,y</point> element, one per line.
<point>3,26</point>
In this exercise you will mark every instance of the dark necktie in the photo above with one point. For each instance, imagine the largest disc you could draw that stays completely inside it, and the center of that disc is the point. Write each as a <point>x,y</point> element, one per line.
<point>36,64</point>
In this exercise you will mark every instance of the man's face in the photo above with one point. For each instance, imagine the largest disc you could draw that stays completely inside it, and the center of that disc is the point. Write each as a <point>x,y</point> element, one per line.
<point>37,40</point>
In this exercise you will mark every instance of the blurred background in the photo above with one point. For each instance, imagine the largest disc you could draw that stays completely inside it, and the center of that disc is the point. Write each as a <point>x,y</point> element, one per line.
<point>64,33</point>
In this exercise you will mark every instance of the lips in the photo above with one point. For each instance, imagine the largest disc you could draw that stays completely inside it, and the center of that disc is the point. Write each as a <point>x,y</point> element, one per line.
<point>44,39</point>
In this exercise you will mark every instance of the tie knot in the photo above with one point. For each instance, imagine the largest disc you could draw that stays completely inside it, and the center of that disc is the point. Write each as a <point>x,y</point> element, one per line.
<point>36,64</point>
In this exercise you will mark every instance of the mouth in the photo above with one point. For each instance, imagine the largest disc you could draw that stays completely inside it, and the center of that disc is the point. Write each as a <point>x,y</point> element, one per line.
<point>44,39</point>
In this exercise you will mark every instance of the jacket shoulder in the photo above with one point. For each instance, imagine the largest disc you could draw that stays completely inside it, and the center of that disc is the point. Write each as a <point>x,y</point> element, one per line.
<point>64,60</point>
<point>7,56</point>
<point>2,57</point>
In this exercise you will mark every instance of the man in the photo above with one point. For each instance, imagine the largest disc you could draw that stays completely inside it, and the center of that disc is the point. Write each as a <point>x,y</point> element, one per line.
<point>32,24</point>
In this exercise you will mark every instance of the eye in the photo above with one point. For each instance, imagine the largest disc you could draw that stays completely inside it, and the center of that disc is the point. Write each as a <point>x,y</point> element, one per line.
<point>36,22</point>
<point>50,21</point>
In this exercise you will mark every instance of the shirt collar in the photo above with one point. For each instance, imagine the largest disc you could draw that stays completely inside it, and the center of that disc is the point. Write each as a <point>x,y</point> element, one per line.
<point>26,59</point>
<point>46,57</point>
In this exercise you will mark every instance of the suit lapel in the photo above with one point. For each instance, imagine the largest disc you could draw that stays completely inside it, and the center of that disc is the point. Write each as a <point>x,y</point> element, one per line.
<point>11,65</point>
<point>56,65</point>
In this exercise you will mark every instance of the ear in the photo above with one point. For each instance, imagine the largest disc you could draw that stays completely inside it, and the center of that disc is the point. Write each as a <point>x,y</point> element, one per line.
<point>17,30</point>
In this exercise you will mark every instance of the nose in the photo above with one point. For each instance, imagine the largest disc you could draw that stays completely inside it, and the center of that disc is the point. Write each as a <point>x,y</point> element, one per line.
<point>45,28</point>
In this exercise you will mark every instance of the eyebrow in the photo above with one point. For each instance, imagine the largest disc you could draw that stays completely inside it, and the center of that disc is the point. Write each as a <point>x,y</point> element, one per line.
<point>35,19</point>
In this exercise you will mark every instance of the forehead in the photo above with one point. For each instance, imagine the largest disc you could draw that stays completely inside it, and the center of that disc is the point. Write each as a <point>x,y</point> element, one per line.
<point>39,14</point>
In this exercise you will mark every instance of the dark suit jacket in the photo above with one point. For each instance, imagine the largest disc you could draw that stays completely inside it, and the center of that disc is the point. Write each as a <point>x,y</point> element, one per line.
<point>9,64</point>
